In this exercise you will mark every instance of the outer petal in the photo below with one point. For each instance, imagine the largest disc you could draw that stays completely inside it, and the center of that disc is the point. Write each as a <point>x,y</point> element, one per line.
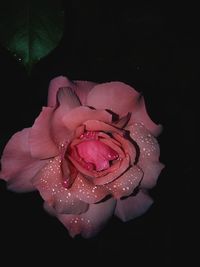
<point>90,223</point>
<point>96,125</point>
<point>126,183</point>
<point>82,90</point>
<point>132,207</point>
<point>152,170</point>
<point>149,154</point>
<point>48,208</point>
<point>87,191</point>
<point>149,147</point>
<point>140,115</point>
<point>54,86</point>
<point>123,186</point>
<point>64,125</point>
<point>81,114</point>
<point>49,183</point>
<point>67,100</point>
<point>18,167</point>
<point>107,95</point>
<point>41,143</point>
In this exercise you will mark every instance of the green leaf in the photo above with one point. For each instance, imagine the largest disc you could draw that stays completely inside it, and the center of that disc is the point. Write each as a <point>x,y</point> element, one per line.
<point>31,29</point>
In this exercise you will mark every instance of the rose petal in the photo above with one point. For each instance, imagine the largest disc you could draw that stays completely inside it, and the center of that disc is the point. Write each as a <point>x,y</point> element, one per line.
<point>22,181</point>
<point>18,167</point>
<point>82,90</point>
<point>112,175</point>
<point>79,115</point>
<point>49,183</point>
<point>96,125</point>
<point>90,223</point>
<point>149,147</point>
<point>41,144</point>
<point>111,143</point>
<point>149,154</point>
<point>67,203</point>
<point>152,170</point>
<point>79,131</point>
<point>140,115</point>
<point>67,99</point>
<point>64,124</point>
<point>126,183</point>
<point>128,147</point>
<point>48,208</point>
<point>86,191</point>
<point>107,95</point>
<point>133,206</point>
<point>54,86</point>
<point>123,121</point>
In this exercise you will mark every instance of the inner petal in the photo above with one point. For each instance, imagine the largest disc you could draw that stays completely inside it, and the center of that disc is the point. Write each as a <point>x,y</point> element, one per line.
<point>96,154</point>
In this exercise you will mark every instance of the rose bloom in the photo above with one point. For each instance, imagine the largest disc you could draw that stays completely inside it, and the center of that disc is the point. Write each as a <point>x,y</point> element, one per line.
<point>91,154</point>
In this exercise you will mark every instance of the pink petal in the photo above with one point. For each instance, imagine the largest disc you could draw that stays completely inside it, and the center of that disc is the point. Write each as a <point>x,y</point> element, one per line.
<point>79,115</point>
<point>140,115</point>
<point>149,154</point>
<point>132,207</point>
<point>128,147</point>
<point>65,124</point>
<point>82,90</point>
<point>107,96</point>
<point>152,170</point>
<point>86,191</point>
<point>67,203</point>
<point>68,102</point>
<point>54,86</point>
<point>123,121</point>
<point>126,183</point>
<point>112,175</point>
<point>49,183</point>
<point>90,223</point>
<point>67,99</point>
<point>100,126</point>
<point>48,208</point>
<point>149,147</point>
<point>116,146</point>
<point>41,144</point>
<point>18,167</point>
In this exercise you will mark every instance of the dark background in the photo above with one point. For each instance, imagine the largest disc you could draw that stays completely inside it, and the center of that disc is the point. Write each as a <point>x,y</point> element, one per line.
<point>151,47</point>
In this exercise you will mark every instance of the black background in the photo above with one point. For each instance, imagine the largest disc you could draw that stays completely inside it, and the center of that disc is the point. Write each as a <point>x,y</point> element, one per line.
<point>151,47</point>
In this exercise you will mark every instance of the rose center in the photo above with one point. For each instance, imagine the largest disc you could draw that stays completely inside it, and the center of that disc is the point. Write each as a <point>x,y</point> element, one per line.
<point>96,154</point>
<point>92,154</point>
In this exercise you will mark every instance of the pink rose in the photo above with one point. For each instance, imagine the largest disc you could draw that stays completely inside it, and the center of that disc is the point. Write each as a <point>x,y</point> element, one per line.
<point>91,153</point>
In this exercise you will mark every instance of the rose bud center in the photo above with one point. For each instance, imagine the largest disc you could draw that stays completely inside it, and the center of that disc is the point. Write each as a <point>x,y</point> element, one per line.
<point>97,154</point>
<point>92,154</point>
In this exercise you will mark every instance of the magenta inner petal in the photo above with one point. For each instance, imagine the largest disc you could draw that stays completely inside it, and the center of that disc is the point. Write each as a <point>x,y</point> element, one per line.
<point>95,155</point>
